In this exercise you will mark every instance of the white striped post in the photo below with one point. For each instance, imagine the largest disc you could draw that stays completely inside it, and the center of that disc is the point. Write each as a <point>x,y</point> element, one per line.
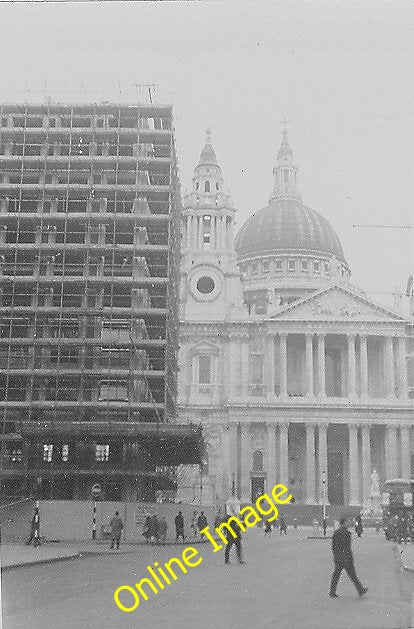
<point>36,541</point>
<point>94,520</point>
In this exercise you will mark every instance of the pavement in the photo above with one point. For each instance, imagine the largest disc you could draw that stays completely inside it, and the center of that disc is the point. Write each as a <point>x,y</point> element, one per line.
<point>19,555</point>
<point>284,583</point>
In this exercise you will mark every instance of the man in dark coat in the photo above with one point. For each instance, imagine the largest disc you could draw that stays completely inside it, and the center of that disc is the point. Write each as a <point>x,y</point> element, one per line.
<point>179,526</point>
<point>343,559</point>
<point>116,529</point>
<point>202,522</point>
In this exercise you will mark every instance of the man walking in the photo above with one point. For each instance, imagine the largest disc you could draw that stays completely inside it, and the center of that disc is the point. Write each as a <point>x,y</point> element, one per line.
<point>343,559</point>
<point>179,526</point>
<point>116,529</point>
<point>233,509</point>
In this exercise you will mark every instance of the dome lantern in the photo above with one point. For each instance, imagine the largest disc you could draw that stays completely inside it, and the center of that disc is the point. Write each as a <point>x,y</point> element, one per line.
<point>285,171</point>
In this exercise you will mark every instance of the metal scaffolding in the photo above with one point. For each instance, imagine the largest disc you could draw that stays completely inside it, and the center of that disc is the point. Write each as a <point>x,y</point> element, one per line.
<point>89,272</point>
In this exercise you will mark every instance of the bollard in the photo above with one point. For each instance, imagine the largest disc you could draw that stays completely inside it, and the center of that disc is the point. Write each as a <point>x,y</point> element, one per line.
<point>36,541</point>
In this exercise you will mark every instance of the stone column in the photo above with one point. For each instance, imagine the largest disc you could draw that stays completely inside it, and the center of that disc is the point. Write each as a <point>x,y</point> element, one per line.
<point>366,463</point>
<point>221,232</point>
<point>351,366</point>
<point>405,452</point>
<point>244,348</point>
<point>402,368</point>
<point>391,451</point>
<point>233,452</point>
<point>188,233</point>
<point>310,464</point>
<point>283,365</point>
<point>353,465</point>
<point>364,366</point>
<point>309,365</point>
<point>323,459</point>
<point>270,368</point>
<point>226,462</point>
<point>271,456</point>
<point>389,367</point>
<point>233,370</point>
<point>200,232</point>
<point>284,454</point>
<point>212,232</point>
<point>245,462</point>
<point>321,365</point>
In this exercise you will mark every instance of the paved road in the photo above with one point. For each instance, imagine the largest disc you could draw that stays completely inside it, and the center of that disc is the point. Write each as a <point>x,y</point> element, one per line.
<point>284,585</point>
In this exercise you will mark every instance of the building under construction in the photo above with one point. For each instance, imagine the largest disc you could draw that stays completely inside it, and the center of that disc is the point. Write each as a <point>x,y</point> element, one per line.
<point>89,268</point>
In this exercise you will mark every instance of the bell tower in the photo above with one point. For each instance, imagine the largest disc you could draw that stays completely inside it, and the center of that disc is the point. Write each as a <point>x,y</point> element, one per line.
<point>210,279</point>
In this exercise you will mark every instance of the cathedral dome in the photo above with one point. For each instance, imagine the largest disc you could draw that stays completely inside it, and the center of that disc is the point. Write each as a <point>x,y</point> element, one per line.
<point>286,226</point>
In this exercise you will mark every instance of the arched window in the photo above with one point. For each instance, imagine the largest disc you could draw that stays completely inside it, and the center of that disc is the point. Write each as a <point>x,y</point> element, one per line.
<point>207,186</point>
<point>217,185</point>
<point>258,461</point>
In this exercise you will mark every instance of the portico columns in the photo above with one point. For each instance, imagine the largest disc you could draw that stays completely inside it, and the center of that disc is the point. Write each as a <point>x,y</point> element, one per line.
<point>351,366</point>
<point>310,463</point>
<point>271,456</point>
<point>366,463</point>
<point>402,368</point>
<point>323,459</point>
<point>321,365</point>
<point>353,464</point>
<point>405,452</point>
<point>283,365</point>
<point>284,454</point>
<point>245,462</point>
<point>309,365</point>
<point>391,451</point>
<point>364,366</point>
<point>389,367</point>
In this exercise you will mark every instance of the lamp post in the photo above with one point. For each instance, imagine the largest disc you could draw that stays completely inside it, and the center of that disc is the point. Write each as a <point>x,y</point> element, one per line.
<point>324,501</point>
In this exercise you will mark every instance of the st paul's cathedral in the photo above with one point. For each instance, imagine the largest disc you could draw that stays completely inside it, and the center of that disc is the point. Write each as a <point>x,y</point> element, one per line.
<point>296,376</point>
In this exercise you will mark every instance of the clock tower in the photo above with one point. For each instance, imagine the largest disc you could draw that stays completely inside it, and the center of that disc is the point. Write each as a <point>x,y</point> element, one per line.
<point>211,287</point>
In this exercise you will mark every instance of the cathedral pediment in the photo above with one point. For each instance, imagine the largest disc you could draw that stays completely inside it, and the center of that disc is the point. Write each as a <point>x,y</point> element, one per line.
<point>336,304</point>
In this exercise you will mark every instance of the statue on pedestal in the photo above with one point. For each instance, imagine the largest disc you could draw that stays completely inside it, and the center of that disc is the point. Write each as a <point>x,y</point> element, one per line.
<point>375,490</point>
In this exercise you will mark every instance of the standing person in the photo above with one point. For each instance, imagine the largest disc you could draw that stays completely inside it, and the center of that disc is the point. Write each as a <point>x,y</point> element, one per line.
<point>162,530</point>
<point>202,523</point>
<point>33,526</point>
<point>179,526</point>
<point>116,525</point>
<point>282,524</point>
<point>154,527</point>
<point>146,531</point>
<point>343,559</point>
<point>358,525</point>
<point>194,524</point>
<point>233,508</point>
<point>268,528</point>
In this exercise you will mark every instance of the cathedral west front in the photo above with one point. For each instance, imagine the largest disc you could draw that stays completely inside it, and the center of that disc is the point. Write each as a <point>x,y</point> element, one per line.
<point>295,374</point>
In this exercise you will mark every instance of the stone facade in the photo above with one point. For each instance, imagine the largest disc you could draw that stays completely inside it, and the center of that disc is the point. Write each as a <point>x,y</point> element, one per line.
<point>293,372</point>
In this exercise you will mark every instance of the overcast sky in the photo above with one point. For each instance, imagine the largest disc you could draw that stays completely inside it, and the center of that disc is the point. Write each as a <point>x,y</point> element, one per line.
<point>341,72</point>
